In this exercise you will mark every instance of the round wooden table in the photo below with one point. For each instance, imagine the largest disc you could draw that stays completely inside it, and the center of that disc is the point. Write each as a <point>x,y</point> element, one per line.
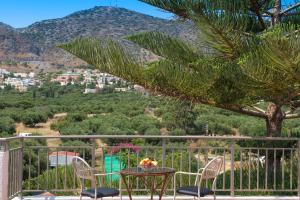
<point>137,172</point>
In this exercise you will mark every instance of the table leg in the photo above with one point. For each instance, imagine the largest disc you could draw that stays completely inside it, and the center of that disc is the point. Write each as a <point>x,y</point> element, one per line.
<point>152,189</point>
<point>127,186</point>
<point>151,186</point>
<point>164,185</point>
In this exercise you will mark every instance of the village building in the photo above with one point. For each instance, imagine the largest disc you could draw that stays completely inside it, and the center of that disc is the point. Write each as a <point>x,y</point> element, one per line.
<point>61,158</point>
<point>90,91</point>
<point>66,78</point>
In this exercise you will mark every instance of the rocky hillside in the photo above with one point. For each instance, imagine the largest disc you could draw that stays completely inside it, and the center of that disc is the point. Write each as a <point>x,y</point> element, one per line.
<point>14,44</point>
<point>37,42</point>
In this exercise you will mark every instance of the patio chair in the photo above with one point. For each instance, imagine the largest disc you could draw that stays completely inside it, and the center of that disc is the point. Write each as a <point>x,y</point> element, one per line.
<point>84,172</point>
<point>209,172</point>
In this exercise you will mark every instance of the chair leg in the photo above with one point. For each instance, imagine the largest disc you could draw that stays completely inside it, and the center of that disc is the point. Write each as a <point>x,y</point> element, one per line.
<point>174,195</point>
<point>80,198</point>
<point>214,195</point>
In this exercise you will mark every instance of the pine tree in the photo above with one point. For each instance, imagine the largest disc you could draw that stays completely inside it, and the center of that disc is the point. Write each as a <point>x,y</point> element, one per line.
<point>246,58</point>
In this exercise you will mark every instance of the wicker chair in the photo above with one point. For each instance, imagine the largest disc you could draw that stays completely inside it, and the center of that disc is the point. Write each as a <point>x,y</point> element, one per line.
<point>209,172</point>
<point>85,172</point>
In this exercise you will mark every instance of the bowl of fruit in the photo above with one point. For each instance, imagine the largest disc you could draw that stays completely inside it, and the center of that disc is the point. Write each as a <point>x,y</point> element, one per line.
<point>148,164</point>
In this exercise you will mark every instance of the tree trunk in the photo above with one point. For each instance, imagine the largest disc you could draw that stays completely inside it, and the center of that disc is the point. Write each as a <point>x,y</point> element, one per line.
<point>274,119</point>
<point>276,15</point>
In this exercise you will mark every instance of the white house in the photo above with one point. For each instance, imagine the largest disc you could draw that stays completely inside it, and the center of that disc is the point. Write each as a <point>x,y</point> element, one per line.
<point>31,75</point>
<point>121,89</point>
<point>24,134</point>
<point>22,75</point>
<point>4,72</point>
<point>90,91</point>
<point>61,158</point>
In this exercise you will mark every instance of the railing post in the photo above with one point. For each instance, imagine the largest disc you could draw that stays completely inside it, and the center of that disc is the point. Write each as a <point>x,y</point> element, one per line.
<point>93,153</point>
<point>298,152</point>
<point>232,149</point>
<point>22,168</point>
<point>164,150</point>
<point>4,170</point>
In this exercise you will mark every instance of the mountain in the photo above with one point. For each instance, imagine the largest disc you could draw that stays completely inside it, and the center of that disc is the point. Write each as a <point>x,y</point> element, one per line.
<point>38,41</point>
<point>14,44</point>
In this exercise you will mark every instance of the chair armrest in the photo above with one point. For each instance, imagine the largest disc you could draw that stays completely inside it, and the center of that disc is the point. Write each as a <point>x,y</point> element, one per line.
<point>187,173</point>
<point>105,174</point>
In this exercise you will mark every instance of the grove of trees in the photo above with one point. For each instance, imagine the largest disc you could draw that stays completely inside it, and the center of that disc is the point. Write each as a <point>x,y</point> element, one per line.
<point>124,113</point>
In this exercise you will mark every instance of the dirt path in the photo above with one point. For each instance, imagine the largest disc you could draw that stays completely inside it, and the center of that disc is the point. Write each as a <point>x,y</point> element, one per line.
<point>43,129</point>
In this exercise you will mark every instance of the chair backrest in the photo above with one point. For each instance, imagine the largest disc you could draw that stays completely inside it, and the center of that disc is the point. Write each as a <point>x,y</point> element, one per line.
<point>212,169</point>
<point>83,170</point>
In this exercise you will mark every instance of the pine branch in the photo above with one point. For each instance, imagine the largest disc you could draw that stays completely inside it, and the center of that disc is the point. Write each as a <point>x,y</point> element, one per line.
<point>217,36</point>
<point>174,6</point>
<point>291,14</point>
<point>258,109</point>
<point>295,104</point>
<point>165,46</point>
<point>292,116</point>
<point>242,110</point>
<point>268,13</point>
<point>107,56</point>
<point>263,3</point>
<point>290,99</point>
<point>293,33</point>
<point>233,108</point>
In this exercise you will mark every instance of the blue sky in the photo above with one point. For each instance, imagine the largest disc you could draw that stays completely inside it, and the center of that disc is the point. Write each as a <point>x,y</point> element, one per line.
<point>21,13</point>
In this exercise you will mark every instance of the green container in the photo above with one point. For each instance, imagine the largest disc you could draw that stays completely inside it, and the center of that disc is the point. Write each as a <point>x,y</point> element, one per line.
<point>112,164</point>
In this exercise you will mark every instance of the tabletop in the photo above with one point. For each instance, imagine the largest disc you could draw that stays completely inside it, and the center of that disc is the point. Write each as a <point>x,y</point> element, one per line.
<point>138,171</point>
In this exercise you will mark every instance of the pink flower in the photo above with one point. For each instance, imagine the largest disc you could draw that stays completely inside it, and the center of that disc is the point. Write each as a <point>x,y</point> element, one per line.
<point>126,146</point>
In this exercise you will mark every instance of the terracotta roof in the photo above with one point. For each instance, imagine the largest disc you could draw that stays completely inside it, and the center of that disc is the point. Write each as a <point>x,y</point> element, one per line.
<point>47,194</point>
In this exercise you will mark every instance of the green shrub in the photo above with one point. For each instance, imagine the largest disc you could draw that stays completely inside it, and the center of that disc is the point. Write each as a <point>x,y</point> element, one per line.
<point>177,132</point>
<point>31,118</point>
<point>7,125</point>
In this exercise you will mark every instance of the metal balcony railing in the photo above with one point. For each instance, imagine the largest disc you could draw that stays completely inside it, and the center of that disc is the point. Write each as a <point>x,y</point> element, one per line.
<point>253,166</point>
